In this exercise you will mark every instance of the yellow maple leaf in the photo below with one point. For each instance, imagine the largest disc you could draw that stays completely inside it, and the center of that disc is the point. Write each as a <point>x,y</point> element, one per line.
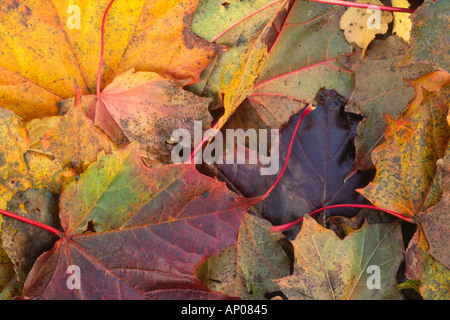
<point>402,22</point>
<point>361,25</point>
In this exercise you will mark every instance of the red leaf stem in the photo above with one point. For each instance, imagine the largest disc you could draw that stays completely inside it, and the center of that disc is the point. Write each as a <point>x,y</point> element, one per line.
<point>102,47</point>
<point>289,225</point>
<point>56,232</point>
<point>305,112</point>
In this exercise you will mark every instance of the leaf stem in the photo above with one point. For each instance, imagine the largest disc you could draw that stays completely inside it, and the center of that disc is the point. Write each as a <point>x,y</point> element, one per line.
<point>102,47</point>
<point>289,225</point>
<point>200,145</point>
<point>304,113</point>
<point>364,5</point>
<point>56,232</point>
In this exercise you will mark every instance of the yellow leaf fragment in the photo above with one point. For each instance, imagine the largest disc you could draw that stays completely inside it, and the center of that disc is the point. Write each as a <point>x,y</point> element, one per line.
<point>402,22</point>
<point>361,25</point>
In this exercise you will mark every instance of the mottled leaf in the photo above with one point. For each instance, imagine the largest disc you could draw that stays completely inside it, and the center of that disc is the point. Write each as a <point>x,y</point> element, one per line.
<point>242,26</point>
<point>245,270</point>
<point>434,277</point>
<point>362,25</point>
<point>380,88</point>
<point>436,220</point>
<point>147,108</point>
<point>405,181</point>
<point>42,52</point>
<point>302,59</point>
<point>74,141</point>
<point>328,268</point>
<point>14,140</point>
<point>23,242</point>
<point>149,230</point>
<point>430,41</point>
<point>402,21</point>
<point>37,128</point>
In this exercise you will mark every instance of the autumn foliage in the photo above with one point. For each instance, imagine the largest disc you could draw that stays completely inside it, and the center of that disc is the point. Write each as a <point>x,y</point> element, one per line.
<point>92,91</point>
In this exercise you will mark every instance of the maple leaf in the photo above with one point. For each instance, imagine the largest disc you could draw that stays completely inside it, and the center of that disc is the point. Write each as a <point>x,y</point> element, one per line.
<point>22,168</point>
<point>356,21</point>
<point>152,229</point>
<point>328,268</point>
<point>243,27</point>
<point>433,276</point>
<point>36,73</point>
<point>429,40</point>
<point>302,59</point>
<point>318,165</point>
<point>405,181</point>
<point>372,98</point>
<point>245,270</point>
<point>25,243</point>
<point>146,107</point>
<point>436,219</point>
<point>74,141</point>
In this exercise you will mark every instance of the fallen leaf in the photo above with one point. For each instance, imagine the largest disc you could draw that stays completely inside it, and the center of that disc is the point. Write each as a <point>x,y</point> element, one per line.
<point>74,141</point>
<point>373,99</point>
<point>436,220</point>
<point>14,140</point>
<point>7,274</point>
<point>434,277</point>
<point>429,38</point>
<point>23,242</point>
<point>20,168</point>
<point>362,25</point>
<point>41,55</point>
<point>328,268</point>
<point>245,270</point>
<point>302,59</point>
<point>405,181</point>
<point>37,128</point>
<point>147,108</point>
<point>315,176</point>
<point>150,230</point>
<point>242,26</point>
<point>402,22</point>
